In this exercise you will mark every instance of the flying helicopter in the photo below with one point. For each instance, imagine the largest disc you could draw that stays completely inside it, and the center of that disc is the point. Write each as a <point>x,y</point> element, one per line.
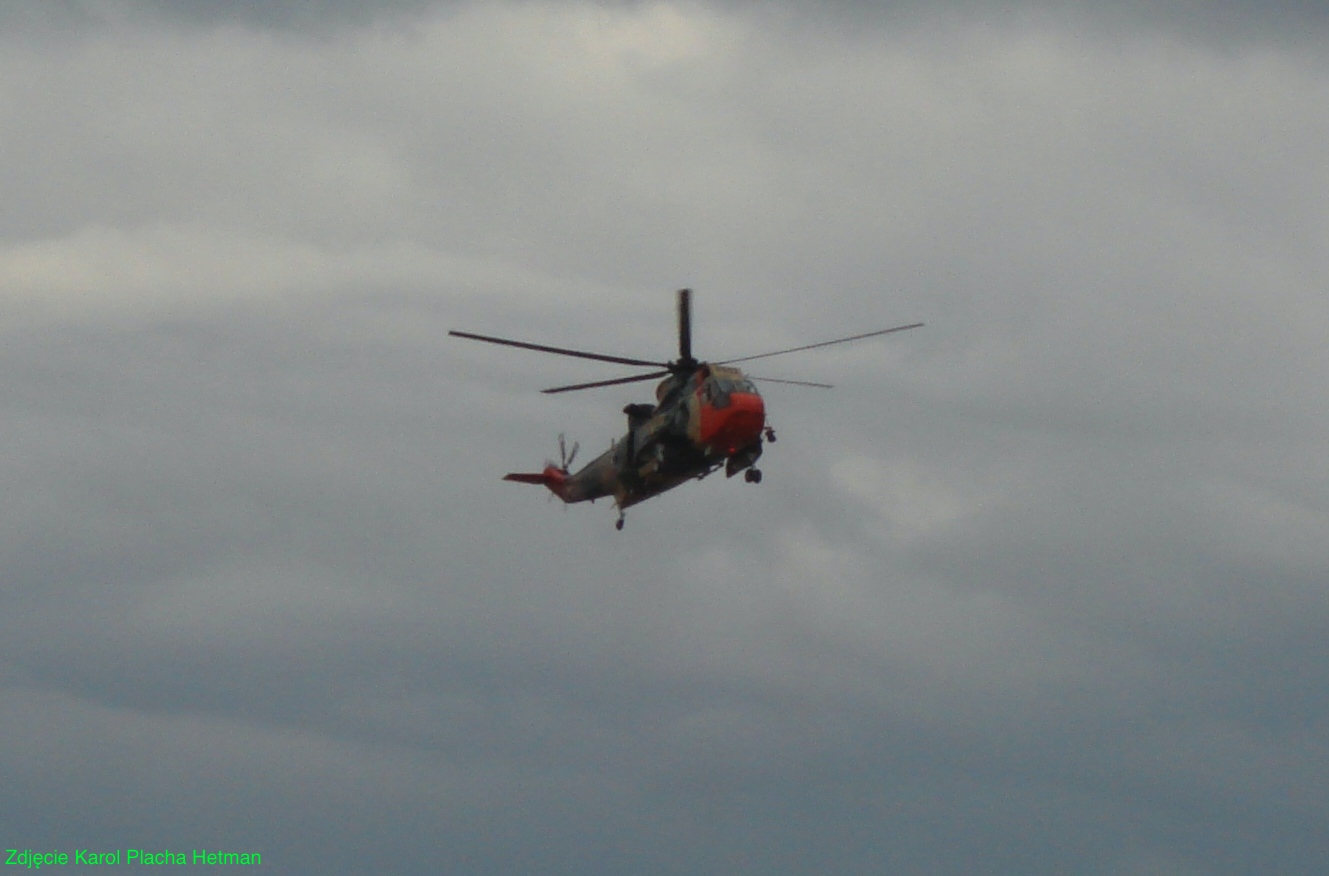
<point>706,415</point>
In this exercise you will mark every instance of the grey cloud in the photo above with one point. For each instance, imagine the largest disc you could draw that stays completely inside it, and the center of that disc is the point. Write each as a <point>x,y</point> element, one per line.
<point>1225,23</point>
<point>1228,23</point>
<point>314,17</point>
<point>1036,589</point>
<point>346,627</point>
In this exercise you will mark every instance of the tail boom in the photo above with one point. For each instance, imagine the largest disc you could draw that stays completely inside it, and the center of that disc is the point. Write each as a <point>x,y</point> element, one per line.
<point>552,477</point>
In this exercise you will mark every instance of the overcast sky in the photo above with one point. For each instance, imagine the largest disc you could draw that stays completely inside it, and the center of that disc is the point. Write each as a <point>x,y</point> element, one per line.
<point>1039,590</point>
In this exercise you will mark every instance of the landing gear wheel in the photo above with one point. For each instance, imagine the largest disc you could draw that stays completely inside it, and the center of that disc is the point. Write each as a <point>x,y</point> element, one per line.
<point>752,475</point>
<point>770,434</point>
<point>618,524</point>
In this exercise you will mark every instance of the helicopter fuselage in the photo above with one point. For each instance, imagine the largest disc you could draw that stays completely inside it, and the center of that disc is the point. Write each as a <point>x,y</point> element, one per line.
<point>710,418</point>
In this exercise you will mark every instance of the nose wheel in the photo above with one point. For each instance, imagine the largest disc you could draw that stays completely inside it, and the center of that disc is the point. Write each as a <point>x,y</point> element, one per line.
<point>752,475</point>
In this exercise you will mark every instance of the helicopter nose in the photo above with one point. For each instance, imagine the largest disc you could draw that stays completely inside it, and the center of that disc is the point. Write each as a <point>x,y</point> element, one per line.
<point>735,426</point>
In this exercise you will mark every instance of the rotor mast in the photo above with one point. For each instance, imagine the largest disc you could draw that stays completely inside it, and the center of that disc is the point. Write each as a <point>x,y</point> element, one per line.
<point>685,360</point>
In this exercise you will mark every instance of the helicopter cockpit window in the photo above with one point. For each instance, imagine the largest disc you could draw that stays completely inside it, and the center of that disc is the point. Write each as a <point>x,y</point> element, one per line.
<point>720,389</point>
<point>717,390</point>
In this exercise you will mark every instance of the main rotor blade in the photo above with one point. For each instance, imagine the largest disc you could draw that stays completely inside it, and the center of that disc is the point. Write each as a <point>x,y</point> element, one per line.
<point>685,325</point>
<point>898,328</point>
<point>599,357</point>
<point>634,379</point>
<point>791,382</point>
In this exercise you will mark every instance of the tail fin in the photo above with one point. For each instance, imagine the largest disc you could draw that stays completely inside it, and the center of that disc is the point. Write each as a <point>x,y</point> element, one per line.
<point>552,477</point>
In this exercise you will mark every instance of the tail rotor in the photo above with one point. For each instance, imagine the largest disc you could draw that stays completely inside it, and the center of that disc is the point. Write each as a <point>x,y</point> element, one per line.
<point>566,458</point>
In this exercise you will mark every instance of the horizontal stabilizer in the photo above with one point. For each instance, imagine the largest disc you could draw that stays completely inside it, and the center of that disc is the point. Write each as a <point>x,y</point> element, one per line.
<point>552,477</point>
<point>542,479</point>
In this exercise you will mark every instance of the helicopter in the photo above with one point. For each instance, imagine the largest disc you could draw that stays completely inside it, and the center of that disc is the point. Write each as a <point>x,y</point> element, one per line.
<point>706,415</point>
